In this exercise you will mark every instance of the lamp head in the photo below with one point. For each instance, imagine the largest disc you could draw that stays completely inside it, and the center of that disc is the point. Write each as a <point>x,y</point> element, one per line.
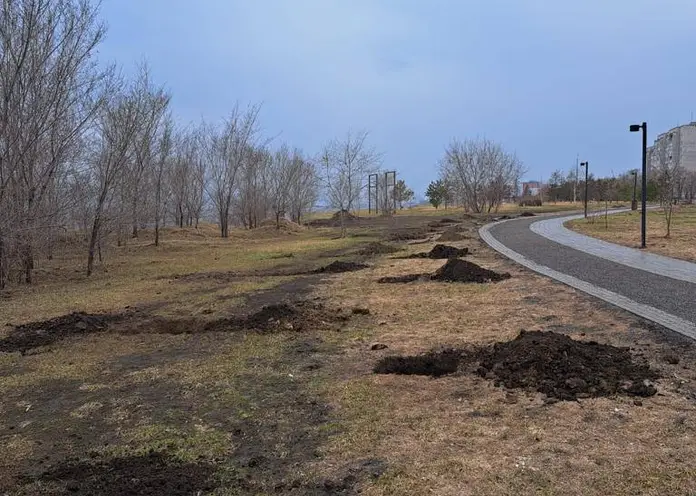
<point>635,128</point>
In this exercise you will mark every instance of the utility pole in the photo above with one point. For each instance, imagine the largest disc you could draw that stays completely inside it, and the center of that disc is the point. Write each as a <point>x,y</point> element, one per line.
<point>586,165</point>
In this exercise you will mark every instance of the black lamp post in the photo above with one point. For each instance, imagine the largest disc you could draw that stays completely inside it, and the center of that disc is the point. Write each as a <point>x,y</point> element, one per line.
<point>586,165</point>
<point>644,194</point>
<point>634,202</point>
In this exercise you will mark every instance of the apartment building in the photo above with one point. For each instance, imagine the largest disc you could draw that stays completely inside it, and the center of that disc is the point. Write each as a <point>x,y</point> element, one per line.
<point>677,146</point>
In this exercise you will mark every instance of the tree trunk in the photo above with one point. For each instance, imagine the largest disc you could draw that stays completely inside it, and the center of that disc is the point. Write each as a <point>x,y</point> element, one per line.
<point>3,263</point>
<point>135,215</point>
<point>28,262</point>
<point>92,245</point>
<point>157,231</point>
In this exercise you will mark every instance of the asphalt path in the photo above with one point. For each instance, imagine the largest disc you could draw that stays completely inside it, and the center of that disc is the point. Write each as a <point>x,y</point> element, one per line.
<point>656,287</point>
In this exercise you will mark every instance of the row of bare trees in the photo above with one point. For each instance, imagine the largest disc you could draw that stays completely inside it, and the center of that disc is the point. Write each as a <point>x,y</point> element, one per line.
<point>86,151</point>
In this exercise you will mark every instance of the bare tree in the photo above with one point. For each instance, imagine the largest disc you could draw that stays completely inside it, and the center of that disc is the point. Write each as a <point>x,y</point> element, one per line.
<point>226,150</point>
<point>346,163</point>
<point>669,177</point>
<point>119,124</point>
<point>482,173</point>
<point>304,188</point>
<point>49,82</point>
<point>164,149</point>
<point>153,102</point>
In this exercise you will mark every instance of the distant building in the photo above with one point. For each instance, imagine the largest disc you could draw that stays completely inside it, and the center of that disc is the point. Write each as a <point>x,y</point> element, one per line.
<point>532,188</point>
<point>676,147</point>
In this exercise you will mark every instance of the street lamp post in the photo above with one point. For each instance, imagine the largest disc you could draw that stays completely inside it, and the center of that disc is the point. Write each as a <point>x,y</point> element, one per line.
<point>586,165</point>
<point>634,202</point>
<point>644,194</point>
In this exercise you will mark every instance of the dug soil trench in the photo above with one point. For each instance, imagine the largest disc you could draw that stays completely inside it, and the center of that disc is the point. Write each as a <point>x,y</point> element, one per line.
<point>298,316</point>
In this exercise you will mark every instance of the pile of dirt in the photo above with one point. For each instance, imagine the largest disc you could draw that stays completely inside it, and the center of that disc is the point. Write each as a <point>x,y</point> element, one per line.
<point>376,248</point>
<point>283,225</point>
<point>452,235</point>
<point>338,267</point>
<point>433,363</point>
<point>407,234</point>
<point>300,316</point>
<point>547,362</point>
<point>456,270</point>
<point>563,368</point>
<point>442,252</point>
<point>29,336</point>
<point>347,216</point>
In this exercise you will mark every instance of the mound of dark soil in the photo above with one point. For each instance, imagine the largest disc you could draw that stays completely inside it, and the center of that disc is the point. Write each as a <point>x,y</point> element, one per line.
<point>29,336</point>
<point>407,234</point>
<point>298,317</point>
<point>376,248</point>
<point>338,267</point>
<point>347,216</point>
<point>451,235</point>
<point>433,363</point>
<point>457,270</point>
<point>527,214</point>
<point>563,368</point>
<point>442,252</point>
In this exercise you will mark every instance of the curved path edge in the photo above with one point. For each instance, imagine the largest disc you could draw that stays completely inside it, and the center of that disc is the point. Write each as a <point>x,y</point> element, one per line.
<point>653,314</point>
<point>555,230</point>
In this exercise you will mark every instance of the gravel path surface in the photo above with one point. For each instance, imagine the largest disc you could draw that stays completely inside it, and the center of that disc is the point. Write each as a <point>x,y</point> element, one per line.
<point>656,297</point>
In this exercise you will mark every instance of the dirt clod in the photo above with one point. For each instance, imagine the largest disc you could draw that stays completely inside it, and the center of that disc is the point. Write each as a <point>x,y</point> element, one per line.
<point>433,363</point>
<point>378,346</point>
<point>442,252</point>
<point>360,311</point>
<point>563,368</point>
<point>339,266</point>
<point>456,270</point>
<point>527,214</point>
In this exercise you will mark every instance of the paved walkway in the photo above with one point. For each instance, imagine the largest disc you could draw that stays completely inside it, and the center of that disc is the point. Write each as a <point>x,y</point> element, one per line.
<point>657,288</point>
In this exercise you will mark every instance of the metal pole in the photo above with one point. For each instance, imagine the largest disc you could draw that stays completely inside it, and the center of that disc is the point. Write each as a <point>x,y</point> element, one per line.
<point>587,169</point>
<point>644,199</point>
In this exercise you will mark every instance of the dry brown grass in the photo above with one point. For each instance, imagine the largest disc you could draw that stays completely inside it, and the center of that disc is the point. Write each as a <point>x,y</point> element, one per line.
<point>140,273</point>
<point>455,435</point>
<point>460,435</point>
<point>624,229</point>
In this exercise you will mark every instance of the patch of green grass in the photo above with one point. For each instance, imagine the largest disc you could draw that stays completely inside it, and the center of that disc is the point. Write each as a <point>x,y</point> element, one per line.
<point>185,445</point>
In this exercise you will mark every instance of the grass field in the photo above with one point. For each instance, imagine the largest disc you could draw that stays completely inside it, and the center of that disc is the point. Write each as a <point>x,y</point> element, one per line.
<point>624,229</point>
<point>158,403</point>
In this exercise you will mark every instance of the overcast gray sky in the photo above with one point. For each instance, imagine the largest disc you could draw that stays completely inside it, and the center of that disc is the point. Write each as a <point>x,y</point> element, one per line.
<point>546,78</point>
